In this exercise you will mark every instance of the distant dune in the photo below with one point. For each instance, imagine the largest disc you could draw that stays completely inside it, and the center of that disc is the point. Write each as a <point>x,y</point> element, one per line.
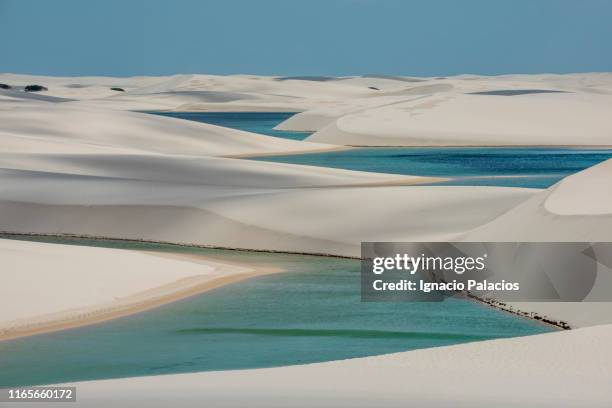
<point>74,129</point>
<point>464,119</point>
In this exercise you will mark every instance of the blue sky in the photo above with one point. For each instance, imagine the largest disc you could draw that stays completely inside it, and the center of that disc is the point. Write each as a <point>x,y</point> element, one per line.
<point>305,37</point>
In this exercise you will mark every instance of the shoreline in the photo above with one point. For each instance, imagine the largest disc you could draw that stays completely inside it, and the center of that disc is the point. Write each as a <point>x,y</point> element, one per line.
<point>522,146</point>
<point>179,244</point>
<point>226,273</point>
<point>354,147</point>
<point>482,372</point>
<point>495,304</point>
<point>337,148</point>
<point>218,282</point>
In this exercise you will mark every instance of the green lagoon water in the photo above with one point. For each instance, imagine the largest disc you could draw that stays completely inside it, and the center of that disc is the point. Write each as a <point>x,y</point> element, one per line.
<point>533,167</point>
<point>308,314</point>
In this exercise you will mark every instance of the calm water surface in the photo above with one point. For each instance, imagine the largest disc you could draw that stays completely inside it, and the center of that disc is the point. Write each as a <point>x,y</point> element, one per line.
<point>311,313</point>
<point>482,166</point>
<point>488,166</point>
<point>256,122</point>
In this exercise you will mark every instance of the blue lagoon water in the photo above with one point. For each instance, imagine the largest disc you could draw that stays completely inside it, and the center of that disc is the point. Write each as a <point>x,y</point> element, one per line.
<point>311,313</point>
<point>256,122</point>
<point>488,166</point>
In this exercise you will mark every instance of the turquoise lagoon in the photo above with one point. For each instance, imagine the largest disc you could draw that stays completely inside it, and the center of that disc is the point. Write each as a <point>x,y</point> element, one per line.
<point>256,122</point>
<point>482,166</point>
<point>467,166</point>
<point>310,313</point>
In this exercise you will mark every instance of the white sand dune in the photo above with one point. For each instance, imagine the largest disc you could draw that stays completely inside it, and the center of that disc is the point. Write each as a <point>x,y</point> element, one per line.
<point>318,118</point>
<point>65,267</point>
<point>464,119</point>
<point>577,209</point>
<point>597,83</point>
<point>177,170</point>
<point>53,286</point>
<point>563,369</point>
<point>249,92</point>
<point>113,180</point>
<point>133,175</point>
<point>70,128</point>
<point>319,219</point>
<point>196,92</point>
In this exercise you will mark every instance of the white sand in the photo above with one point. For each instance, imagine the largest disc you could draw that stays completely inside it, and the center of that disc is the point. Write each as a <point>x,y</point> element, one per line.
<point>577,209</point>
<point>43,277</point>
<point>70,128</point>
<point>318,118</point>
<point>195,92</point>
<point>50,286</point>
<point>133,175</point>
<point>347,111</point>
<point>445,111</point>
<point>457,119</point>
<point>256,93</point>
<point>585,193</point>
<point>247,206</point>
<point>563,369</point>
